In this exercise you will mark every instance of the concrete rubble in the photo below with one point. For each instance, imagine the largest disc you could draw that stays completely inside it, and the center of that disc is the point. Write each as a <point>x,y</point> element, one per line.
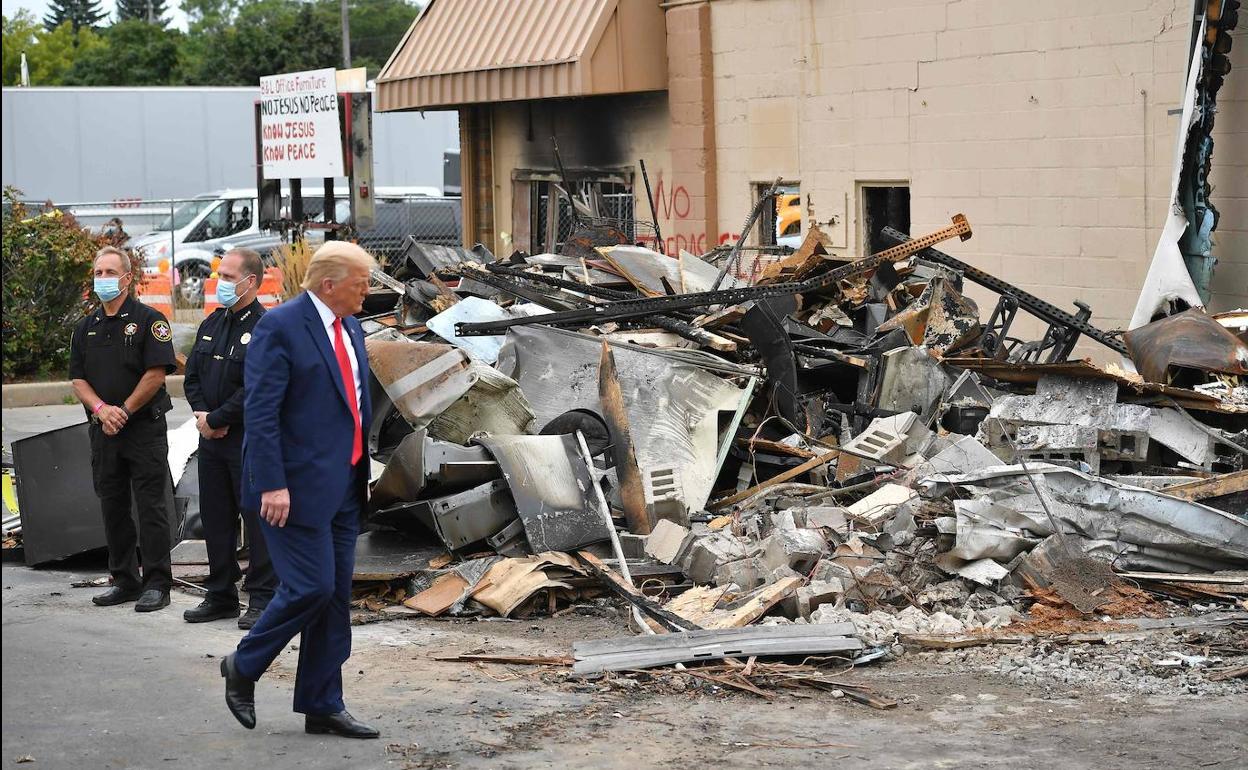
<point>855,447</point>
<point>868,456</point>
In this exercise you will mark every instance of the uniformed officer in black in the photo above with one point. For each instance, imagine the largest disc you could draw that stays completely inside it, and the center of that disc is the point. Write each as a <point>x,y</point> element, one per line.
<point>214,387</point>
<point>119,357</point>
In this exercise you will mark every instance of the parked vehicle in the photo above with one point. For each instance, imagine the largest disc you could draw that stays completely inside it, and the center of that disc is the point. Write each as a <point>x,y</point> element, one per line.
<point>264,243</point>
<point>190,238</point>
<point>428,220</point>
<point>186,239</point>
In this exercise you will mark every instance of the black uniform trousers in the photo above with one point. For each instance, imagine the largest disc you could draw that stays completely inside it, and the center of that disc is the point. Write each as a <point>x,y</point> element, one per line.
<point>220,485</point>
<point>135,461</point>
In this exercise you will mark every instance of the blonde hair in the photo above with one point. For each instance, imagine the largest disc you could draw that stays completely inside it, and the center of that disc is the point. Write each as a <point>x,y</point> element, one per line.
<point>333,261</point>
<point>123,256</point>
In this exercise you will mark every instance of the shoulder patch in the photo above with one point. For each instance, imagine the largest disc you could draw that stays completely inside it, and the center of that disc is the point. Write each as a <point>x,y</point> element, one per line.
<point>161,331</point>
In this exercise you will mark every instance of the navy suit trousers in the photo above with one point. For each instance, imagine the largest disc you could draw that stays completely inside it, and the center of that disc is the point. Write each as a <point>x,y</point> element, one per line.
<point>314,565</point>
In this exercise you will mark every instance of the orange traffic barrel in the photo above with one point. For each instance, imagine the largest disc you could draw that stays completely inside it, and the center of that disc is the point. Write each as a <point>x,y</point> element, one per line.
<point>210,296</point>
<point>156,290</point>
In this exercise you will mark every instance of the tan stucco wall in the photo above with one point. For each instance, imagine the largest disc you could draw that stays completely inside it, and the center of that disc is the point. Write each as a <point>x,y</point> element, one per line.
<point>1044,122</point>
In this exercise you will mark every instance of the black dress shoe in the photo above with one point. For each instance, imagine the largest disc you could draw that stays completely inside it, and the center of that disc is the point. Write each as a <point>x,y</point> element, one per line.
<point>152,600</point>
<point>116,595</point>
<point>210,609</point>
<point>341,723</point>
<point>240,693</point>
<point>249,618</point>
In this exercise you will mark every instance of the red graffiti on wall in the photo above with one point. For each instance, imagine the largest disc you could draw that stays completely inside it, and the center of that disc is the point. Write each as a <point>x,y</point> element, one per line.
<point>675,202</point>
<point>672,204</point>
<point>694,243</point>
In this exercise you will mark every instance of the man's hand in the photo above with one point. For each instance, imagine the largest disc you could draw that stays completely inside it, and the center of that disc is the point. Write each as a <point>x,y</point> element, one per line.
<point>275,506</point>
<point>206,430</point>
<point>112,418</point>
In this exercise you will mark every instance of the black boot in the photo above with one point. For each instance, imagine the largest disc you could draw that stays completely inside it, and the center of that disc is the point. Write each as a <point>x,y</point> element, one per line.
<point>152,599</point>
<point>240,693</point>
<point>211,609</point>
<point>116,595</point>
<point>249,618</point>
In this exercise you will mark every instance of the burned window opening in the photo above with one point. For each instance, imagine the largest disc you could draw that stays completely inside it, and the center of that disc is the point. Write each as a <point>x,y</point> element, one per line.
<point>599,200</point>
<point>883,206</point>
<point>781,222</point>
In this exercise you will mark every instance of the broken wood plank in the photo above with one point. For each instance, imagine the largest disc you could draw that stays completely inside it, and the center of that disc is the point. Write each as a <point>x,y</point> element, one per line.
<point>791,473</point>
<point>440,561</point>
<point>728,315</point>
<point>530,660</point>
<point>616,583</point>
<point>865,696</point>
<point>729,682</point>
<point>439,597</point>
<point>1179,577</point>
<point>776,447</point>
<point>632,496</point>
<point>1237,672</point>
<point>813,250</point>
<point>1215,486</point>
<point>698,604</point>
<point>762,600</point>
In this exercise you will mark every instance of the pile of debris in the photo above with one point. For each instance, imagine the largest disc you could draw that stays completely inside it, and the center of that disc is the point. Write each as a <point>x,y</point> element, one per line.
<point>840,453</point>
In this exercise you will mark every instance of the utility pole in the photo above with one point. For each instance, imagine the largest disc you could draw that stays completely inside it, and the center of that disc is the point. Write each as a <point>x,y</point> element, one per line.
<point>346,37</point>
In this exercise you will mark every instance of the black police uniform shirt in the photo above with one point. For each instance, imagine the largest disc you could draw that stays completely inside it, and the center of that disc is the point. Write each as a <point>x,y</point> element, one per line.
<point>214,369</point>
<point>113,352</point>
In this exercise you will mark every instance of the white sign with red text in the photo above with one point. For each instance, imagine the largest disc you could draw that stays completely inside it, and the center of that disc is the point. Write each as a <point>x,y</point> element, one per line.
<point>300,135</point>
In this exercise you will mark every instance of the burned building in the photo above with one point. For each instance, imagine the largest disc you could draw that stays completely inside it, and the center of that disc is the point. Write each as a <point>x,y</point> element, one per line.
<point>1051,127</point>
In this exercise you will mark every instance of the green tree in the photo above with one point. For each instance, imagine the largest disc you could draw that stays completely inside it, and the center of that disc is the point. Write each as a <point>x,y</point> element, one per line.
<point>79,13</point>
<point>50,54</point>
<point>56,52</point>
<point>47,269</point>
<point>20,35</point>
<point>377,26</point>
<point>263,38</point>
<point>134,53</point>
<point>143,10</point>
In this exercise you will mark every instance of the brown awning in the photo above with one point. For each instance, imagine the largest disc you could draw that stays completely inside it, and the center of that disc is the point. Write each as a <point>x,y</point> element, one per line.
<point>475,51</point>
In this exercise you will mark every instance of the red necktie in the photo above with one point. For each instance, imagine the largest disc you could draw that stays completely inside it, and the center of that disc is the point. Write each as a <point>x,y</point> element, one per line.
<point>348,382</point>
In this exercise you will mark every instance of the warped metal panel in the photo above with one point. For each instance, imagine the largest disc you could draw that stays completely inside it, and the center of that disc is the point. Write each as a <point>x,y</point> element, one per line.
<point>711,644</point>
<point>61,514</point>
<point>553,490</point>
<point>673,399</point>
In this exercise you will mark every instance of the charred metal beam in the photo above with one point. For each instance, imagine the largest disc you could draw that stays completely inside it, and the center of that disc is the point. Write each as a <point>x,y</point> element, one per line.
<point>636,308</point>
<point>675,325</point>
<point>1073,326</point>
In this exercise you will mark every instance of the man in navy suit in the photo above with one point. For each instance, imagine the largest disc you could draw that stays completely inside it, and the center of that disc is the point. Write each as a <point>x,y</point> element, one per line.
<point>305,469</point>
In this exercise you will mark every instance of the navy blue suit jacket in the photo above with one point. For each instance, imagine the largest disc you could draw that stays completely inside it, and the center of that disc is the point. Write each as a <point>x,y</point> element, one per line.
<point>297,418</point>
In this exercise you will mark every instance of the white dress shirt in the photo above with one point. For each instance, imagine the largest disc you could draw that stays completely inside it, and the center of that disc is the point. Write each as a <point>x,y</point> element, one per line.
<point>327,319</point>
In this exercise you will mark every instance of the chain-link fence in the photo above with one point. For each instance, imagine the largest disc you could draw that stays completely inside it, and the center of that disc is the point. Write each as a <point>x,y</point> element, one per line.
<point>601,204</point>
<point>183,237</point>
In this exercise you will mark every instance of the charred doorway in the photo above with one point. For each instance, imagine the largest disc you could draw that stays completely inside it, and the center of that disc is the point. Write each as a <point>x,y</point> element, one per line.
<point>882,204</point>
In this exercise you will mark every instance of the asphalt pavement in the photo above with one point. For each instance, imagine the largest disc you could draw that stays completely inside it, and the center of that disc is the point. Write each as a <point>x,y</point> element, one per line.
<point>106,687</point>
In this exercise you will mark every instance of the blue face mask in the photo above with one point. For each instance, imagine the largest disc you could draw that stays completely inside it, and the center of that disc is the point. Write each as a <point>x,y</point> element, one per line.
<point>107,288</point>
<point>227,293</point>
